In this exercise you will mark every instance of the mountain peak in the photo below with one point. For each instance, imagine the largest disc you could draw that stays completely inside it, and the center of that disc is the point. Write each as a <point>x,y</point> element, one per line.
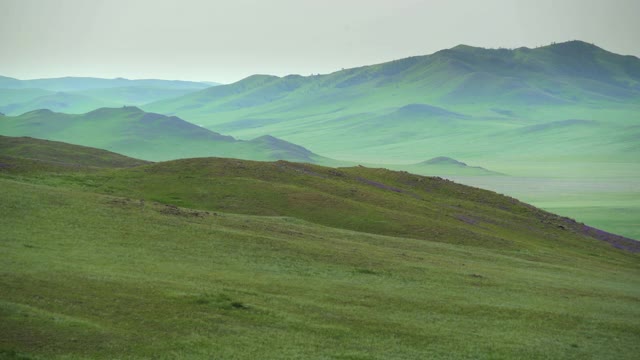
<point>110,110</point>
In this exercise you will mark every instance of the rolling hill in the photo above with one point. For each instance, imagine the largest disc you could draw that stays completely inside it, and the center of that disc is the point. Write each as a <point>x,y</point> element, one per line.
<point>443,166</point>
<point>225,258</point>
<point>59,154</point>
<point>149,136</point>
<point>79,95</point>
<point>16,96</point>
<point>456,101</point>
<point>59,102</point>
<point>563,115</point>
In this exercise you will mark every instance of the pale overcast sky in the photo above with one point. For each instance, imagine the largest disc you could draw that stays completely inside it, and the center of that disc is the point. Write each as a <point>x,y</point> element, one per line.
<point>226,40</point>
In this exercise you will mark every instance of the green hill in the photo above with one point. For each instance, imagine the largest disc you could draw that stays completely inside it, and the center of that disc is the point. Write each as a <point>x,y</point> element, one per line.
<point>149,136</point>
<point>59,153</point>
<point>224,258</point>
<point>443,166</point>
<point>565,115</point>
<point>58,102</point>
<point>16,96</point>
<point>455,101</point>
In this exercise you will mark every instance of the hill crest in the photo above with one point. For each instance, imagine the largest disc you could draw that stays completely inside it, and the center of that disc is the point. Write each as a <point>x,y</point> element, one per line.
<point>150,136</point>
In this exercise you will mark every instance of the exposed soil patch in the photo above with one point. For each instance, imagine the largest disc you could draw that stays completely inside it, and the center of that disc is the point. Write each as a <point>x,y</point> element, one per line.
<point>174,210</point>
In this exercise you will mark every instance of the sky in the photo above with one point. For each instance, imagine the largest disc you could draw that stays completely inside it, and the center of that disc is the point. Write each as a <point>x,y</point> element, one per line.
<point>227,40</point>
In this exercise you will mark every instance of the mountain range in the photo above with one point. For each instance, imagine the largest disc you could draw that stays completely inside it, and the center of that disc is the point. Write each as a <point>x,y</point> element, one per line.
<point>290,218</point>
<point>465,102</point>
<point>82,94</point>
<point>563,115</point>
<point>133,132</point>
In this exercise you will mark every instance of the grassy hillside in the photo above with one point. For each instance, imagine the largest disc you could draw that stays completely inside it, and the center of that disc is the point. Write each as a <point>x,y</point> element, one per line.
<point>59,153</point>
<point>466,102</point>
<point>563,115</point>
<point>149,136</point>
<point>132,275</point>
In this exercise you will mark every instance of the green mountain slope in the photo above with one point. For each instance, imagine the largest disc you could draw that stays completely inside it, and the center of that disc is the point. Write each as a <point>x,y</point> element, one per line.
<point>149,136</point>
<point>565,115</point>
<point>132,275</point>
<point>454,101</point>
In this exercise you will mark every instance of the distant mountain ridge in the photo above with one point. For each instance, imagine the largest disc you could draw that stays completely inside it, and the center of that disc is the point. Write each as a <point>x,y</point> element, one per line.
<point>452,101</point>
<point>465,70</point>
<point>149,136</point>
<point>71,83</point>
<point>82,94</point>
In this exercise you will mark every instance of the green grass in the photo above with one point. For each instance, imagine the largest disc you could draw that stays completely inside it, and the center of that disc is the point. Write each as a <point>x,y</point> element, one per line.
<point>361,199</point>
<point>565,110</point>
<point>58,153</point>
<point>94,276</point>
<point>223,258</point>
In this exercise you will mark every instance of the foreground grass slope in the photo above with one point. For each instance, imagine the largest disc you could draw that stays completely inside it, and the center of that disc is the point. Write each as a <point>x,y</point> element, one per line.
<point>90,275</point>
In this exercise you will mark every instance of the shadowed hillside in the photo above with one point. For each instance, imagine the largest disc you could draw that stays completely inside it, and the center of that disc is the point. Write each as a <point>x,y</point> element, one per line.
<point>133,132</point>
